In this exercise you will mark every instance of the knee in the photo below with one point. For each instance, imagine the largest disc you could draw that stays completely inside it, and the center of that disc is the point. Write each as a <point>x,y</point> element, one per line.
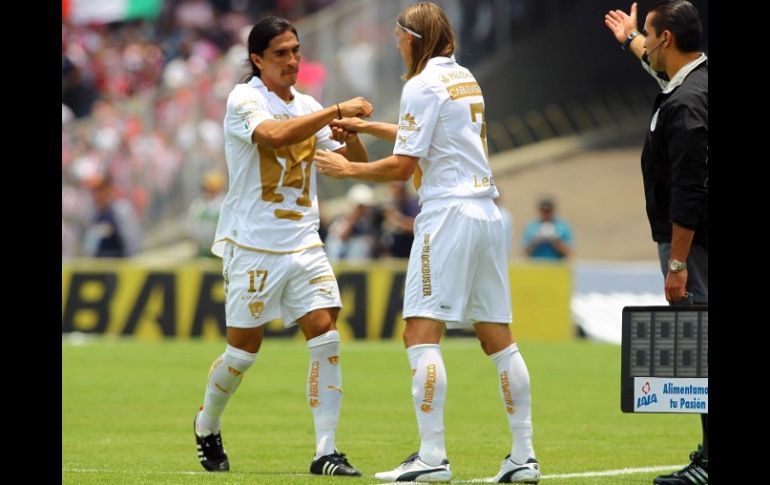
<point>321,322</point>
<point>407,336</point>
<point>412,336</point>
<point>487,347</point>
<point>494,345</point>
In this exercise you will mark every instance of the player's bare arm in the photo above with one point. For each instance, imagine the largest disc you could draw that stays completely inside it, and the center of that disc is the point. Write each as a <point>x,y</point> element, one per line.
<point>279,133</point>
<point>385,131</point>
<point>394,167</point>
<point>353,149</point>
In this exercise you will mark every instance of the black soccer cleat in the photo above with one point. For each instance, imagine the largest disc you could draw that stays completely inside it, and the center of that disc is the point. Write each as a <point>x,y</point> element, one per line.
<point>696,473</point>
<point>333,464</point>
<point>211,453</point>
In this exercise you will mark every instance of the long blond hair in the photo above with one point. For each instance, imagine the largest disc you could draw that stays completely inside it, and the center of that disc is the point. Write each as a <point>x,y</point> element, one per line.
<point>438,38</point>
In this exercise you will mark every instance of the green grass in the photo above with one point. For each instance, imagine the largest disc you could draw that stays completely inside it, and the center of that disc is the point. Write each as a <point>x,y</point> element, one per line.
<point>127,410</point>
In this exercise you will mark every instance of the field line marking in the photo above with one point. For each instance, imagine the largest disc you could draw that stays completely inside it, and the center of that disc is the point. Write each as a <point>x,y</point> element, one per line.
<point>604,473</point>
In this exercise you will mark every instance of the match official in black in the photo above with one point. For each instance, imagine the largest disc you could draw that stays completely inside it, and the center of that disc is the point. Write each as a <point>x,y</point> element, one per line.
<point>675,163</point>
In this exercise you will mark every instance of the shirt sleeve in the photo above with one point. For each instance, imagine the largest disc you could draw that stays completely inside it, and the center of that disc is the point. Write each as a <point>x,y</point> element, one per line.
<point>417,118</point>
<point>565,232</point>
<point>687,136</point>
<point>245,113</point>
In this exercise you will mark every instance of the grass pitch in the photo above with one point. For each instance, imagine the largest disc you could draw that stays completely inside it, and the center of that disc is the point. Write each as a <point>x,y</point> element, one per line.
<point>128,406</point>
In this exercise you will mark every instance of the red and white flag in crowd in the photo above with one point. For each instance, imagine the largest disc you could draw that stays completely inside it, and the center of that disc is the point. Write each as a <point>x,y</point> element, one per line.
<point>104,11</point>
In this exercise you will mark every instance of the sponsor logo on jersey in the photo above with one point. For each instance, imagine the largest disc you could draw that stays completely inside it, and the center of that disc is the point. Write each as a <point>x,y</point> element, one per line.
<point>462,90</point>
<point>454,76</point>
<point>321,279</point>
<point>408,123</point>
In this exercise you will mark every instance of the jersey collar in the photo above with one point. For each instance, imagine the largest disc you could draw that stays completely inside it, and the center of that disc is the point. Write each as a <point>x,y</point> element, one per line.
<point>256,83</point>
<point>683,72</point>
<point>434,61</point>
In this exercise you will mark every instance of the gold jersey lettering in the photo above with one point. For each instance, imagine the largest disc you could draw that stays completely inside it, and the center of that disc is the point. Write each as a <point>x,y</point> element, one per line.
<point>450,76</point>
<point>425,266</point>
<point>482,181</point>
<point>462,90</point>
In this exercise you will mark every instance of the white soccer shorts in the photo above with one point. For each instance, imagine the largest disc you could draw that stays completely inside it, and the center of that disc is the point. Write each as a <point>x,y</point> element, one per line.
<point>262,286</point>
<point>458,269</point>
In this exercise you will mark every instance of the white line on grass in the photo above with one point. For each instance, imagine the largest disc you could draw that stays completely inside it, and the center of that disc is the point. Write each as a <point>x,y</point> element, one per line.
<point>169,472</point>
<point>622,471</point>
<point>605,473</point>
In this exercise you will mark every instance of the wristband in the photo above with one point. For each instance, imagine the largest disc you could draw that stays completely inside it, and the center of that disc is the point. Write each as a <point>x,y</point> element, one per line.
<point>629,39</point>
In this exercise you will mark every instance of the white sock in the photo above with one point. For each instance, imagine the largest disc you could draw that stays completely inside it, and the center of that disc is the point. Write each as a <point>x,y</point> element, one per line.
<point>324,389</point>
<point>429,385</point>
<point>513,377</point>
<point>225,376</point>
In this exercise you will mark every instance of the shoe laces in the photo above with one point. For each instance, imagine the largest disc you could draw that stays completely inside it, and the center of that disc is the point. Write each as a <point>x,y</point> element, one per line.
<point>696,461</point>
<point>214,444</point>
<point>339,458</point>
<point>409,459</point>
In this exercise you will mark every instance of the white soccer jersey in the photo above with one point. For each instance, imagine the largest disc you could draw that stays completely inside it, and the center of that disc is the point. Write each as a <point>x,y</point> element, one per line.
<point>441,121</point>
<point>271,202</point>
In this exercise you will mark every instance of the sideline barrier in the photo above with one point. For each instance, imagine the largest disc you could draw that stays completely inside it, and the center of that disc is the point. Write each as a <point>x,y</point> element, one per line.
<point>151,301</point>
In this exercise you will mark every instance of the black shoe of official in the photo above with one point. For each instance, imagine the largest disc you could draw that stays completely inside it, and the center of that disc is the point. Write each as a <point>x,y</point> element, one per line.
<point>696,473</point>
<point>333,464</point>
<point>211,453</point>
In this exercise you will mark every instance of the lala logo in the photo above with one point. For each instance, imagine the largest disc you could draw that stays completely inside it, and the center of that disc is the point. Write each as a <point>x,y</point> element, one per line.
<point>648,398</point>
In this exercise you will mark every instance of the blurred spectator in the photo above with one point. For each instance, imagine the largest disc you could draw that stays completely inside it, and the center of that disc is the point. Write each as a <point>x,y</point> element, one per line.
<point>69,240</point>
<point>356,62</point>
<point>203,215</point>
<point>547,237</point>
<point>77,93</point>
<point>353,235</point>
<point>398,221</point>
<point>114,230</point>
<point>311,78</point>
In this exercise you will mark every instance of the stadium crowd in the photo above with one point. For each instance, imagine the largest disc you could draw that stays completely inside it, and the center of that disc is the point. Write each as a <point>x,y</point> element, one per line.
<point>144,99</point>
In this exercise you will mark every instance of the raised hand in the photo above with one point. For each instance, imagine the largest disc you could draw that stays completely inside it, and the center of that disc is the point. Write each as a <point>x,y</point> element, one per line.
<point>620,23</point>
